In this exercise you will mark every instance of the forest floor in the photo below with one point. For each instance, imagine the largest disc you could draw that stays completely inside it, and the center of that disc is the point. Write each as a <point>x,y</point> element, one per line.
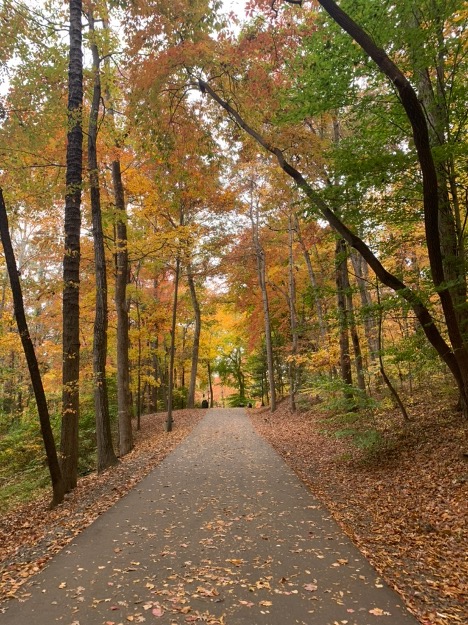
<point>403,502</point>
<point>31,534</point>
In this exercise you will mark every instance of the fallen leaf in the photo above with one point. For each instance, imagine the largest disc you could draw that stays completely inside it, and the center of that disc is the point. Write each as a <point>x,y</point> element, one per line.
<point>377,612</point>
<point>158,612</point>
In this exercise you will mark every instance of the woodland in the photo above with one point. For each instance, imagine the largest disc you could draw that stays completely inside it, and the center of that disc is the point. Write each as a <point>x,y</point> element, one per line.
<point>203,203</point>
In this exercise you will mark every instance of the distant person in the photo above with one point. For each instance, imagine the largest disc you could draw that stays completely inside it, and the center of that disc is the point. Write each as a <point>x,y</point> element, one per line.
<point>204,403</point>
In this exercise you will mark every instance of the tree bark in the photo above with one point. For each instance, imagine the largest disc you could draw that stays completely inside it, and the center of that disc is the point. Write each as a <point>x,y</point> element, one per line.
<point>155,367</point>
<point>170,390</point>
<point>361,272</point>
<point>105,450</point>
<point>352,327</point>
<point>210,383</point>
<point>433,100</point>
<point>293,369</point>
<point>196,337</point>
<point>71,261</point>
<point>140,397</point>
<point>124,401</point>
<point>58,486</point>
<point>121,280</point>
<point>342,312</point>
<point>314,285</point>
<point>261,270</point>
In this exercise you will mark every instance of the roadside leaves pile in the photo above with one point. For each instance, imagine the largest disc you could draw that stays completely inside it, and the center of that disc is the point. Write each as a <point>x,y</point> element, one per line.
<point>32,534</point>
<point>405,505</point>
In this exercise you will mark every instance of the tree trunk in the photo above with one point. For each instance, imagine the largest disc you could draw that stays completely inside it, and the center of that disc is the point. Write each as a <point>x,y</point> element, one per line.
<point>196,338</point>
<point>105,450</point>
<point>58,486</point>
<point>210,383</point>
<point>155,366</point>
<point>124,401</point>
<point>345,359</point>
<point>293,369</point>
<point>71,261</point>
<point>170,390</point>
<point>261,270</point>
<point>314,286</point>
<point>139,397</point>
<point>121,280</point>
<point>433,100</point>
<point>385,377</point>
<point>362,279</point>
<point>10,383</point>
<point>353,328</point>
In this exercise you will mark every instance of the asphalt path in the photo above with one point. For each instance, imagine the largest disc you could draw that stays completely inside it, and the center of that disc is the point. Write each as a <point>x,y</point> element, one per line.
<point>221,532</point>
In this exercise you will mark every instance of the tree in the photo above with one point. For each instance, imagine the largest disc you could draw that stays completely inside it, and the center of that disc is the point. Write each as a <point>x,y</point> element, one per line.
<point>343,314</point>
<point>121,305</point>
<point>196,336</point>
<point>453,359</point>
<point>457,358</point>
<point>71,261</point>
<point>261,271</point>
<point>105,451</point>
<point>170,392</point>
<point>58,485</point>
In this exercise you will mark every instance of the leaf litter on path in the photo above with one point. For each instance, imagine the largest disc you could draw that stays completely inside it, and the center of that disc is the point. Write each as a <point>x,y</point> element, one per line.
<point>31,534</point>
<point>405,508</point>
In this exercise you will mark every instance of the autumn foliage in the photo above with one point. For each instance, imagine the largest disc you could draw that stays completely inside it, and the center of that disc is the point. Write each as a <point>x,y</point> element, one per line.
<point>290,221</point>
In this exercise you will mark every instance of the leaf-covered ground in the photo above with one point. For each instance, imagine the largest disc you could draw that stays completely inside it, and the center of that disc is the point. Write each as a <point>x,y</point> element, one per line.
<point>31,534</point>
<point>405,506</point>
<point>222,534</point>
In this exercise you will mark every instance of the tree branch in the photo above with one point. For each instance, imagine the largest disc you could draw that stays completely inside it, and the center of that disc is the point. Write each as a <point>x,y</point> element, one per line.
<point>420,310</point>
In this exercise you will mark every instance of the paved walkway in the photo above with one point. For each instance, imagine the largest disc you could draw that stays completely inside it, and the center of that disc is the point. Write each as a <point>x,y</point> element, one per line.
<point>222,532</point>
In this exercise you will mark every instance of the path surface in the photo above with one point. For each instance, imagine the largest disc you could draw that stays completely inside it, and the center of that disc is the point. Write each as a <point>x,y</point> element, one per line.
<point>222,532</point>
